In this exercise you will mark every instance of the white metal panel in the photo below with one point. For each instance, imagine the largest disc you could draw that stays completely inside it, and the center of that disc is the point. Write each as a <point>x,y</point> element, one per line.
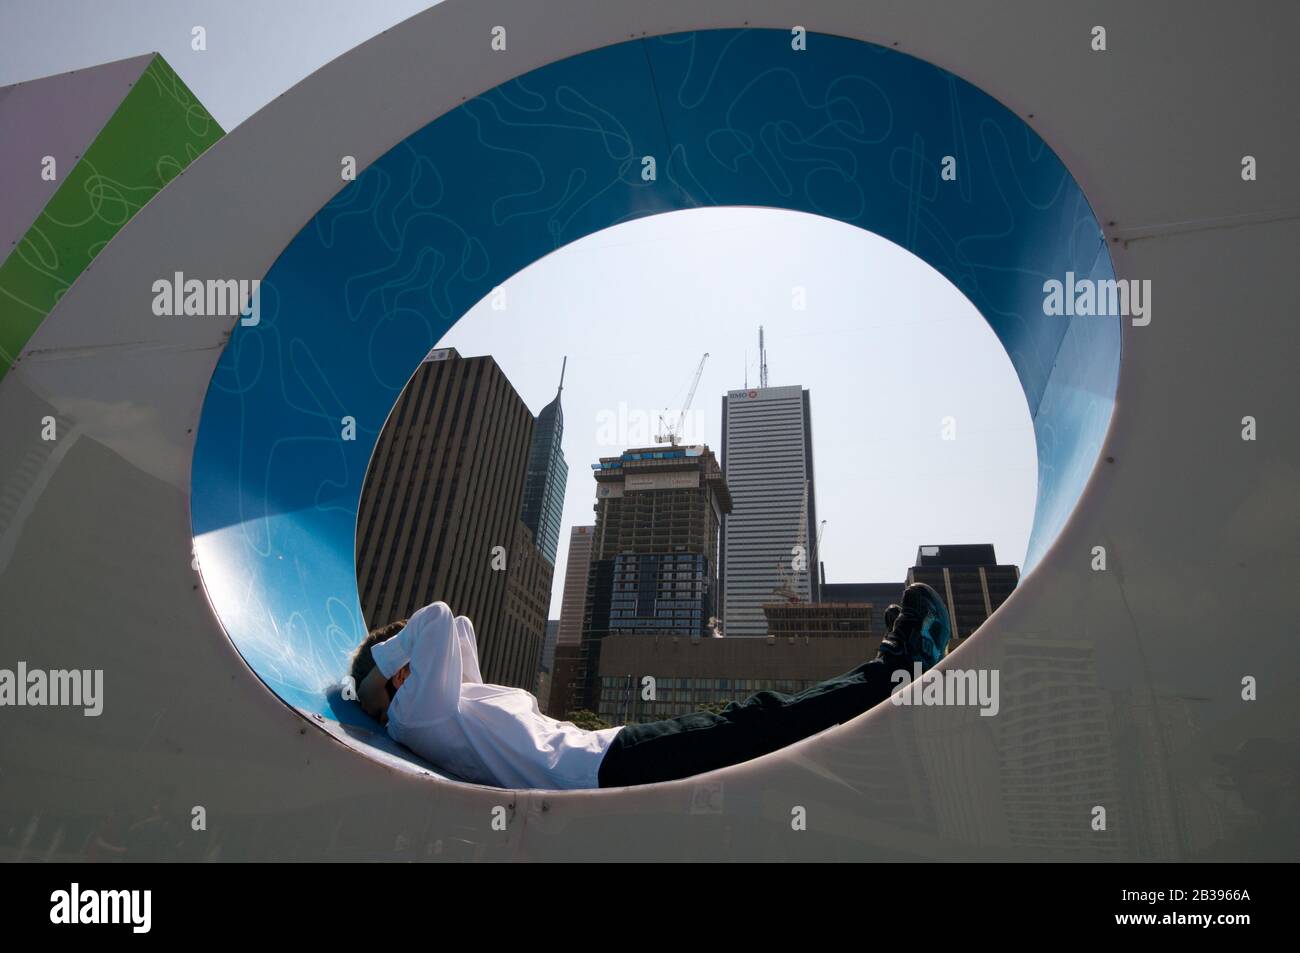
<point>1200,526</point>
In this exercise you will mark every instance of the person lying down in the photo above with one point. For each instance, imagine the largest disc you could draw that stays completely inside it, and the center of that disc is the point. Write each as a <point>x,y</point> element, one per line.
<point>420,679</point>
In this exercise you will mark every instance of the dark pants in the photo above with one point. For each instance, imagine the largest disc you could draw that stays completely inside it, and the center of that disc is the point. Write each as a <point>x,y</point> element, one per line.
<point>765,721</point>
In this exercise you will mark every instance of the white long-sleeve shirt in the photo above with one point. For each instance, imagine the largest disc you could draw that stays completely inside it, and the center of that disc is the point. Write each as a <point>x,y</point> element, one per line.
<point>489,734</point>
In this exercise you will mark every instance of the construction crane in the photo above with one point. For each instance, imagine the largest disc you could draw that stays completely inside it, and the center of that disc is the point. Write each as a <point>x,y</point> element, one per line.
<point>673,435</point>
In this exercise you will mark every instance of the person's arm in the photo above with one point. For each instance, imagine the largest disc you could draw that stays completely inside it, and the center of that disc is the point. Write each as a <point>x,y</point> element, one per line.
<point>468,650</point>
<point>430,644</point>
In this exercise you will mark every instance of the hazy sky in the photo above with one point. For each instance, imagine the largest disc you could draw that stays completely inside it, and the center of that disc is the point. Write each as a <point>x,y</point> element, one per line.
<point>256,49</point>
<point>886,347</point>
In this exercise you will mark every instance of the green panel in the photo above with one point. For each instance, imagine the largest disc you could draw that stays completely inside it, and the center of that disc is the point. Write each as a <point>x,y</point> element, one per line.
<point>156,131</point>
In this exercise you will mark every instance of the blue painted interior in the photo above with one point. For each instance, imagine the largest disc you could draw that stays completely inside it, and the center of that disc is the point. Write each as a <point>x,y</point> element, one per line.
<point>733,117</point>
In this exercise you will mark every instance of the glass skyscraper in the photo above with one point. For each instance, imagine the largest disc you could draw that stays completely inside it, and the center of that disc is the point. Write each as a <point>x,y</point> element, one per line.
<point>543,503</point>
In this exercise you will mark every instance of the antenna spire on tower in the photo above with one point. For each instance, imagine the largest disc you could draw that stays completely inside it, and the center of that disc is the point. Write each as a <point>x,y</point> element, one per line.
<point>762,359</point>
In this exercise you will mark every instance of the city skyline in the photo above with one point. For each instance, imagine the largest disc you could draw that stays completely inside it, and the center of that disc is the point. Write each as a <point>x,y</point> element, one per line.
<point>628,301</point>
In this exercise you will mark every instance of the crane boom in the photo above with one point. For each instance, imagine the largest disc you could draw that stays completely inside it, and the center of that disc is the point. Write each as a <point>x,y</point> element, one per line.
<point>690,396</point>
<point>673,435</point>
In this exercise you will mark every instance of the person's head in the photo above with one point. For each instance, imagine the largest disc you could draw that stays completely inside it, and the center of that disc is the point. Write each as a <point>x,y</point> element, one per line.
<point>374,692</point>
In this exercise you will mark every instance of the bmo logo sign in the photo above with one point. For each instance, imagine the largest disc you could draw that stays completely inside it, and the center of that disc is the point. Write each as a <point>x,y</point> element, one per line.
<point>742,394</point>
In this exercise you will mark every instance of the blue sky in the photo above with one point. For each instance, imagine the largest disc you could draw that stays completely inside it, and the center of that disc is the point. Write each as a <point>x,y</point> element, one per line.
<point>256,49</point>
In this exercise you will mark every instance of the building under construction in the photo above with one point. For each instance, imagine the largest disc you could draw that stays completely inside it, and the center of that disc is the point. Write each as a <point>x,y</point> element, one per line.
<point>654,552</point>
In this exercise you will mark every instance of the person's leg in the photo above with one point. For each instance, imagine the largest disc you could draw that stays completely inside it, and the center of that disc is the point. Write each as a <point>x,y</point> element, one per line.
<point>765,721</point>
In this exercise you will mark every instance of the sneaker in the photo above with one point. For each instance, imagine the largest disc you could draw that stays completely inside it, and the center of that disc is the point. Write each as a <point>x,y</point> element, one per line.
<point>921,628</point>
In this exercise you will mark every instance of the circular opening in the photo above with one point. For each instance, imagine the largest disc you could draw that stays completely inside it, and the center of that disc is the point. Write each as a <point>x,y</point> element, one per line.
<point>856,133</point>
<point>915,433</point>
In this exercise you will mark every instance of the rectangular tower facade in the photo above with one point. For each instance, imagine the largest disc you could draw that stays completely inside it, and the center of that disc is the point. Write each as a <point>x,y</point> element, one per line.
<point>439,518</point>
<point>574,598</point>
<point>548,645</point>
<point>767,460</point>
<point>528,600</point>
<point>654,555</point>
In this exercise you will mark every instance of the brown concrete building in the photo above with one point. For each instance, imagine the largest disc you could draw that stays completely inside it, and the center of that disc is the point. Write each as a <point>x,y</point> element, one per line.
<point>440,513</point>
<point>528,600</point>
<point>560,698</point>
<point>692,673</point>
<point>839,620</point>
<point>563,697</point>
<point>574,598</point>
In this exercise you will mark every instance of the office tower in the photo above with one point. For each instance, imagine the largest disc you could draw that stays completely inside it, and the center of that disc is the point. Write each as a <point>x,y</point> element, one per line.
<point>546,670</point>
<point>548,645</point>
<point>768,464</point>
<point>561,698</point>
<point>574,599</point>
<point>439,518</point>
<point>565,687</point>
<point>654,553</point>
<point>547,475</point>
<point>969,580</point>
<point>528,601</point>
